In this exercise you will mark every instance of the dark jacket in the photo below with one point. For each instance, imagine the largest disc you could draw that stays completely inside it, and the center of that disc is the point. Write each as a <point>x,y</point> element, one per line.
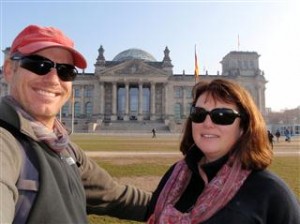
<point>67,192</point>
<point>263,198</point>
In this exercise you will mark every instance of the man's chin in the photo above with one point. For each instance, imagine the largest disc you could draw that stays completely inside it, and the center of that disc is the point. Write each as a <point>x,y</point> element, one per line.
<point>45,114</point>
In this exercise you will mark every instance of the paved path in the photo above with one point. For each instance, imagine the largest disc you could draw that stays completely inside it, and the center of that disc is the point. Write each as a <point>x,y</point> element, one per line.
<point>280,149</point>
<point>127,154</point>
<point>167,154</point>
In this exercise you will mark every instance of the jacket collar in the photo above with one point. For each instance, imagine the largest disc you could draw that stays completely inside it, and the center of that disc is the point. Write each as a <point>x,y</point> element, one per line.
<point>193,157</point>
<point>12,117</point>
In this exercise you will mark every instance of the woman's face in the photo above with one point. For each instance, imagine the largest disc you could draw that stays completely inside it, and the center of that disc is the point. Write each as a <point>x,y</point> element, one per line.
<point>215,140</point>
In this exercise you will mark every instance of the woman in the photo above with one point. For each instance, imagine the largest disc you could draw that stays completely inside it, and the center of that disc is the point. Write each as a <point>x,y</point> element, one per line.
<point>223,176</point>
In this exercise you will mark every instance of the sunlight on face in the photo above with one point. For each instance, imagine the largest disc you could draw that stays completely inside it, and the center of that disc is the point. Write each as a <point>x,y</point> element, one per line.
<point>42,96</point>
<point>215,140</point>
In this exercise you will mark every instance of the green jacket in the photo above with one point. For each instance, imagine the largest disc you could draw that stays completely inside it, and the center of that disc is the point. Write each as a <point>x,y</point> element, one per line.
<point>67,192</point>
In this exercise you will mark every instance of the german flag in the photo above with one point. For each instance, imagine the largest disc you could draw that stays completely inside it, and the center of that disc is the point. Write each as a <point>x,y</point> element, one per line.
<point>196,72</point>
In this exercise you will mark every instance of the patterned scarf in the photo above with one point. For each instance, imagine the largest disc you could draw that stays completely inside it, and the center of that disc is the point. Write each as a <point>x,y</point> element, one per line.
<point>216,194</point>
<point>57,139</point>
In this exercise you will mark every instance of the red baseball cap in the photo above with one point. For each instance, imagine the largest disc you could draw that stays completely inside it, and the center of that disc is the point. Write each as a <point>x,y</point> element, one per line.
<point>35,38</point>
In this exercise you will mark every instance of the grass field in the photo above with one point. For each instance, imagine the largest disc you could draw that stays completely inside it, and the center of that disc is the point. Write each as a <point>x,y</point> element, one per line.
<point>132,142</point>
<point>145,171</point>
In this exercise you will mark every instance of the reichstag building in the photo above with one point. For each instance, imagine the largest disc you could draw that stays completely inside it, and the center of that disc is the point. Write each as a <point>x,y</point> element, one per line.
<point>136,92</point>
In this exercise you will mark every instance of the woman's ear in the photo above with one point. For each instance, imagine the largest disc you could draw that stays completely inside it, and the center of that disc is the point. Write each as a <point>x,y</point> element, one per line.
<point>241,132</point>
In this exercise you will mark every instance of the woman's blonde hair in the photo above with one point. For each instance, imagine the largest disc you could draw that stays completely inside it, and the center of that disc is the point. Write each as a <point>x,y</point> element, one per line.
<point>253,147</point>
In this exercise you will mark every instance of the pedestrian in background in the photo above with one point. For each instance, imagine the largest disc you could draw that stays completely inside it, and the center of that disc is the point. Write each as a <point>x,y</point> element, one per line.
<point>153,133</point>
<point>277,134</point>
<point>270,137</point>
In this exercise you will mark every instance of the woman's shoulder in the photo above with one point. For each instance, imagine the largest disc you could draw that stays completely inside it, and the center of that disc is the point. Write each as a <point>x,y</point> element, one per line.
<point>266,178</point>
<point>269,184</point>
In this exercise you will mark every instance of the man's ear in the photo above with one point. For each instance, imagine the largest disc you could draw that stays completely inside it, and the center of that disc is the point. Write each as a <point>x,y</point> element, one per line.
<point>8,70</point>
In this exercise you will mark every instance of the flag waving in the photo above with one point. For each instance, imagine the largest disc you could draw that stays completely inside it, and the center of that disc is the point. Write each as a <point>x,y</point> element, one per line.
<point>196,73</point>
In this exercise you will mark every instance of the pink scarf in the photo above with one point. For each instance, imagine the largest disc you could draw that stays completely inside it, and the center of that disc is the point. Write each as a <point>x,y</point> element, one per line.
<point>57,139</point>
<point>216,194</point>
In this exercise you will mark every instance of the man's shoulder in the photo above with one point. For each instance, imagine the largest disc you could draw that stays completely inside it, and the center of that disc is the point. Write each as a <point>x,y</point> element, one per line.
<point>7,137</point>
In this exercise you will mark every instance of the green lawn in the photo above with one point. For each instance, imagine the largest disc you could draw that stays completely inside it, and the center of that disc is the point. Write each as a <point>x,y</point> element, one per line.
<point>132,142</point>
<point>287,167</point>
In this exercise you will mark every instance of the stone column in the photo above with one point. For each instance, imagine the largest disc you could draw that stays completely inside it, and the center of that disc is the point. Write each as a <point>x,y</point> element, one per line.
<point>152,109</point>
<point>183,102</point>
<point>81,101</point>
<point>114,102</point>
<point>126,116</point>
<point>263,100</point>
<point>258,97</point>
<point>140,108</point>
<point>102,101</point>
<point>166,101</point>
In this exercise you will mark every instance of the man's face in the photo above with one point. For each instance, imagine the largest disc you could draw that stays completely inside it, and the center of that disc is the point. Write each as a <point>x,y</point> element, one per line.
<point>41,96</point>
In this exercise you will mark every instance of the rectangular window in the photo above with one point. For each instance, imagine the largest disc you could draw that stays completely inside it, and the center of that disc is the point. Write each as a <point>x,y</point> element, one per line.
<point>177,111</point>
<point>77,92</point>
<point>188,92</point>
<point>88,91</point>
<point>178,92</point>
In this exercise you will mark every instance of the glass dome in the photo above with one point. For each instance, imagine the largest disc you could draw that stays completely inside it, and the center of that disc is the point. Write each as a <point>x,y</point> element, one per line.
<point>134,53</point>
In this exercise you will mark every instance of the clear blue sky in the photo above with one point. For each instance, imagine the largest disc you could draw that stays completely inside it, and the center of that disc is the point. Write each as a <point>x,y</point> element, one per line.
<point>271,28</point>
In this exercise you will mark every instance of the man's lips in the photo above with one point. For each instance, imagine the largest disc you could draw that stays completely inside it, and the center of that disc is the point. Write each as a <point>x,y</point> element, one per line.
<point>46,93</point>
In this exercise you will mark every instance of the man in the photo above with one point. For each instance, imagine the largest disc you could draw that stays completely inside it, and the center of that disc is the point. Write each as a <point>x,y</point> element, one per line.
<point>153,133</point>
<point>270,137</point>
<point>40,70</point>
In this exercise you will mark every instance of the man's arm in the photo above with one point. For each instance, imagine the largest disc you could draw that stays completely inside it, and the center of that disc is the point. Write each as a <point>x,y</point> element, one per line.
<point>10,165</point>
<point>107,197</point>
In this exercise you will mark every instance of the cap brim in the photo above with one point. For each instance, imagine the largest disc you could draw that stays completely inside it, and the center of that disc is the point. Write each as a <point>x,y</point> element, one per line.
<point>79,60</point>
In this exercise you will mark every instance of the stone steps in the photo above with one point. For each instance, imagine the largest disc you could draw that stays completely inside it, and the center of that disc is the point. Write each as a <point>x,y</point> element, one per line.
<point>132,126</point>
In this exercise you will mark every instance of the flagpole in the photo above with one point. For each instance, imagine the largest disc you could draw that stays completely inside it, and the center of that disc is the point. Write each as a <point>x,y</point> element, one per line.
<point>60,115</point>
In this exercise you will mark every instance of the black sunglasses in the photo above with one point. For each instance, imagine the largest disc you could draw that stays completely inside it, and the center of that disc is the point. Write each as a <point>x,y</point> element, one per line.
<point>221,116</point>
<point>42,66</point>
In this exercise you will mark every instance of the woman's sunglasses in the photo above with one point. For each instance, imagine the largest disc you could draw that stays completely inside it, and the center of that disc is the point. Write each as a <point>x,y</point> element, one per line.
<point>221,116</point>
<point>42,66</point>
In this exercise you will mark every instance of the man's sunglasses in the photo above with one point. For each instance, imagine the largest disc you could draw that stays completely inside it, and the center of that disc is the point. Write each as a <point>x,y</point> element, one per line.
<point>220,116</point>
<point>42,66</point>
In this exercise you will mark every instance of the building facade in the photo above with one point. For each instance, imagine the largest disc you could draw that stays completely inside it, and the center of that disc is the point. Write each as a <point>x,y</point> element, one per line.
<point>134,91</point>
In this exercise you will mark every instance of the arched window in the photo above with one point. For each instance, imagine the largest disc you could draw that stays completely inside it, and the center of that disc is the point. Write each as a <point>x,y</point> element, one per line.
<point>88,109</point>
<point>76,109</point>
<point>177,111</point>
<point>146,100</point>
<point>188,109</point>
<point>65,110</point>
<point>133,93</point>
<point>121,102</point>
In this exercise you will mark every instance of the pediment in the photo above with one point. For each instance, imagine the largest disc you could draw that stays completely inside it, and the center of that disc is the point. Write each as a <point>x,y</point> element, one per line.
<point>134,67</point>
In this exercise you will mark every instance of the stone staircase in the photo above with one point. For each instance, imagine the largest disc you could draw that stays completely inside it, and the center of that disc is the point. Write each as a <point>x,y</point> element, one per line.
<point>133,126</point>
<point>81,126</point>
